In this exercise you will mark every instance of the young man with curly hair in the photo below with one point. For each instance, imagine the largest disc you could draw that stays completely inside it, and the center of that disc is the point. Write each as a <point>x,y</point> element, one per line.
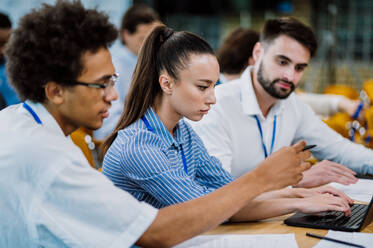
<point>58,60</point>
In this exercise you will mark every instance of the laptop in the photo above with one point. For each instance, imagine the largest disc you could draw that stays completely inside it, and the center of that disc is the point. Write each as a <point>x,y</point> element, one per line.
<point>361,216</point>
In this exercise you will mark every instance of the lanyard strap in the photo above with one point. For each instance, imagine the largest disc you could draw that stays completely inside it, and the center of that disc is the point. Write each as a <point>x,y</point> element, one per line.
<point>32,112</point>
<point>358,110</point>
<point>261,135</point>
<point>181,147</point>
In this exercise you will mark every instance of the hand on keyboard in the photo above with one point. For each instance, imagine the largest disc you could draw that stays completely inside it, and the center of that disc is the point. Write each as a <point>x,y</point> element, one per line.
<point>323,202</point>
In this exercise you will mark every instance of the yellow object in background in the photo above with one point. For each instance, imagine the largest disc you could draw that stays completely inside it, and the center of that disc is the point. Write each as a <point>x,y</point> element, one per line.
<point>358,131</point>
<point>83,138</point>
<point>368,88</point>
<point>338,122</point>
<point>344,90</point>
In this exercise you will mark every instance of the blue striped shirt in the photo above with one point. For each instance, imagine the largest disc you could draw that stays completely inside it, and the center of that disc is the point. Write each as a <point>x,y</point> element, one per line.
<point>148,164</point>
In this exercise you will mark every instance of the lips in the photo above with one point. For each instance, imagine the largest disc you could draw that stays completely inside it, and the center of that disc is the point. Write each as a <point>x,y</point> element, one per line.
<point>205,111</point>
<point>285,85</point>
<point>105,114</point>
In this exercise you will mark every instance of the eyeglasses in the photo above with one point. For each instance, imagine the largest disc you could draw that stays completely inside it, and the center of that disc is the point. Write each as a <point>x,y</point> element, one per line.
<point>106,86</point>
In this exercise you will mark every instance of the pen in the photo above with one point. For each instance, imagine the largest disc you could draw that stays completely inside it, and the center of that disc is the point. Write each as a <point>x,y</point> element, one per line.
<point>308,147</point>
<point>334,240</point>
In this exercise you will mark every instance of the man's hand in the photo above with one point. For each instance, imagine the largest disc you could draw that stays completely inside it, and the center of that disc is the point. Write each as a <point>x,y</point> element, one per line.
<point>326,189</point>
<point>326,172</point>
<point>284,167</point>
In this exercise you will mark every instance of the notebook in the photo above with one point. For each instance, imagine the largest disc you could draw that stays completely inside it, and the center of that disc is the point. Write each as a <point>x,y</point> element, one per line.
<point>361,216</point>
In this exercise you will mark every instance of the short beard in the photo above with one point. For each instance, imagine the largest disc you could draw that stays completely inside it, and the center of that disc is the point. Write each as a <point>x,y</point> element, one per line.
<point>269,86</point>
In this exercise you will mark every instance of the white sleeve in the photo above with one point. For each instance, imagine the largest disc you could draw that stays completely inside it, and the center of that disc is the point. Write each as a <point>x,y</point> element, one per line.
<point>214,130</point>
<point>322,104</point>
<point>331,145</point>
<point>82,208</point>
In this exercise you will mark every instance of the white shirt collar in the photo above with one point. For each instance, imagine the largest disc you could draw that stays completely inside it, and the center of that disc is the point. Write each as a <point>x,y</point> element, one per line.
<point>249,101</point>
<point>46,118</point>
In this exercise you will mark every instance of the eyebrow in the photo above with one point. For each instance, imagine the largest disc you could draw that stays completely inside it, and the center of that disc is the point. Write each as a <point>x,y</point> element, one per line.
<point>104,77</point>
<point>205,81</point>
<point>288,59</point>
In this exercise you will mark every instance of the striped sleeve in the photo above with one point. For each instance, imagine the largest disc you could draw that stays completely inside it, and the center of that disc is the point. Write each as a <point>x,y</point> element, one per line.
<point>144,161</point>
<point>210,171</point>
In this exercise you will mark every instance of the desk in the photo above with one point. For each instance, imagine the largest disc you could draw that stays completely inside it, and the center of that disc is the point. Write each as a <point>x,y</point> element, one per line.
<point>274,226</point>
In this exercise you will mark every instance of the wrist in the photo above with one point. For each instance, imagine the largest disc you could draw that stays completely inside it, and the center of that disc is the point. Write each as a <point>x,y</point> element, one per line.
<point>261,181</point>
<point>297,205</point>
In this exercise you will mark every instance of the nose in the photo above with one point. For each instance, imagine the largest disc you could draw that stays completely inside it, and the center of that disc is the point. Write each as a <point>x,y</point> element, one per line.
<point>289,74</point>
<point>211,99</point>
<point>112,95</point>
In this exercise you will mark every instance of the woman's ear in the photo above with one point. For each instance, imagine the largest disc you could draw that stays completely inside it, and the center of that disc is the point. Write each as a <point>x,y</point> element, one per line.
<point>54,92</point>
<point>166,83</point>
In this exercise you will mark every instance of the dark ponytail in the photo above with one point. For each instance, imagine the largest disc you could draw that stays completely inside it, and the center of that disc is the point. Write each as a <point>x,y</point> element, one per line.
<point>163,50</point>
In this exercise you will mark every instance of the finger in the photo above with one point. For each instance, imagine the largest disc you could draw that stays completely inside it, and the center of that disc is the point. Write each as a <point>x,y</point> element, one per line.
<point>299,146</point>
<point>304,155</point>
<point>341,204</point>
<point>336,176</point>
<point>341,180</point>
<point>338,193</point>
<point>304,166</point>
<point>348,177</point>
<point>341,168</point>
<point>342,173</point>
<point>344,209</point>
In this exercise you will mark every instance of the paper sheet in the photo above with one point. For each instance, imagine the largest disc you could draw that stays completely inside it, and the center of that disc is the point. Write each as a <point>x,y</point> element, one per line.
<point>238,241</point>
<point>364,239</point>
<point>361,191</point>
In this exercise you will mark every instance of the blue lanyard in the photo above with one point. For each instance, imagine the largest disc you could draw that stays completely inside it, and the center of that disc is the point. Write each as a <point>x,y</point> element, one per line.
<point>261,135</point>
<point>32,112</point>
<point>355,116</point>
<point>181,147</point>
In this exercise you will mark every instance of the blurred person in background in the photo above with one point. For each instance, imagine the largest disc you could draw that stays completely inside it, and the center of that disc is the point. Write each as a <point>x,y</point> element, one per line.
<point>235,54</point>
<point>258,108</point>
<point>8,96</point>
<point>136,23</point>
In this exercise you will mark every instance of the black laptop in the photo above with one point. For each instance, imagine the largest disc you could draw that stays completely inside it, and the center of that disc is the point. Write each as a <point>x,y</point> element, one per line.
<point>361,216</point>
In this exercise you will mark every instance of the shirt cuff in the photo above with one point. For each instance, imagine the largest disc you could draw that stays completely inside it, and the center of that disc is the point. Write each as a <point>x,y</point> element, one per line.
<point>133,232</point>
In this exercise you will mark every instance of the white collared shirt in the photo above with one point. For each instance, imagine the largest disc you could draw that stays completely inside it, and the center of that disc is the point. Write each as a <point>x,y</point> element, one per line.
<point>230,131</point>
<point>51,197</point>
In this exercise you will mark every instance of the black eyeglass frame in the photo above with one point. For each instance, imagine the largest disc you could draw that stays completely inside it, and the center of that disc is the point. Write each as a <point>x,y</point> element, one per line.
<point>112,80</point>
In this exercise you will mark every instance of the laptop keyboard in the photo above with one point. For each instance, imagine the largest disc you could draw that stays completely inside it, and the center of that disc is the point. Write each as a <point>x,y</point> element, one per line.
<point>339,219</point>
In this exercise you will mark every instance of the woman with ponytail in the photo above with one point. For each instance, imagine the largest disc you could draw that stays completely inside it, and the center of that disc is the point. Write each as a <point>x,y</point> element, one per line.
<point>152,148</point>
<point>158,158</point>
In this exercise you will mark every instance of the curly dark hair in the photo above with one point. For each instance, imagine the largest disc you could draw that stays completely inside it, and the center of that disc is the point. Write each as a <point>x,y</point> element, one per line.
<point>49,43</point>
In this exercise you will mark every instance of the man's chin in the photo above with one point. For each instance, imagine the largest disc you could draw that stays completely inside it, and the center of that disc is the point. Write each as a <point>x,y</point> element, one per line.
<point>95,126</point>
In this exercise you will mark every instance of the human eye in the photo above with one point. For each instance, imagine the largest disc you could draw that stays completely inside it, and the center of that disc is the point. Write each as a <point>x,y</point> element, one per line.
<point>202,87</point>
<point>282,62</point>
<point>299,68</point>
